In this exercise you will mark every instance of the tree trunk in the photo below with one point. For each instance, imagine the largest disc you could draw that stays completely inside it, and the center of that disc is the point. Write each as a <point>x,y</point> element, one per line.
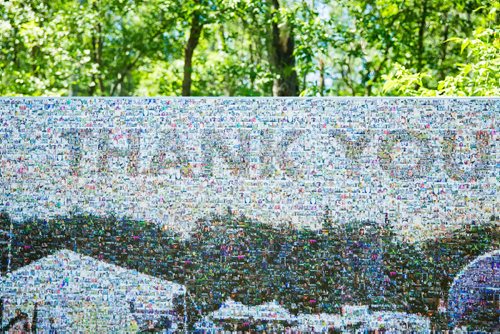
<point>252,61</point>
<point>194,38</point>
<point>99,57</point>
<point>444,49</point>
<point>283,59</point>
<point>421,36</point>
<point>96,41</point>
<point>92,87</point>
<point>321,77</point>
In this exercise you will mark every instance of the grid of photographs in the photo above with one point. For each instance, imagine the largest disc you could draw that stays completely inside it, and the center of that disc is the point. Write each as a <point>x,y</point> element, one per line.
<point>249,215</point>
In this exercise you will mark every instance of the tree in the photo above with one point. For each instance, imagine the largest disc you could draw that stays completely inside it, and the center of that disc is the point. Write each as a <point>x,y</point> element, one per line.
<point>478,77</point>
<point>282,47</point>
<point>78,48</point>
<point>193,40</point>
<point>244,47</point>
<point>378,34</point>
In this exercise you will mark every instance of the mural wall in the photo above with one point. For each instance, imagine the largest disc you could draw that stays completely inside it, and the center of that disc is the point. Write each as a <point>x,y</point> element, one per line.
<point>294,214</point>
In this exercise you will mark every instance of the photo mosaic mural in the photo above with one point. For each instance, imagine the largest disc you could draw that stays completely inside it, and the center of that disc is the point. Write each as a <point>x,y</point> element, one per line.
<point>276,215</point>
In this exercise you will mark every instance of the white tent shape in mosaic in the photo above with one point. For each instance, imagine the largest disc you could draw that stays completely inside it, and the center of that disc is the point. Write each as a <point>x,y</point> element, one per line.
<point>236,310</point>
<point>86,295</point>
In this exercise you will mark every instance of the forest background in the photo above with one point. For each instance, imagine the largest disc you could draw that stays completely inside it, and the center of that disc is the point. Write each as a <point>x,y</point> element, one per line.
<point>249,48</point>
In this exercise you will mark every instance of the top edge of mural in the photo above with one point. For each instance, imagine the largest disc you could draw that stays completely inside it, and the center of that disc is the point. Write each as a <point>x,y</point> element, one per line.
<point>255,97</point>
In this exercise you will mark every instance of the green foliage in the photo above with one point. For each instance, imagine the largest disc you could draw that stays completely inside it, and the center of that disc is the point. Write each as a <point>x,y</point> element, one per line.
<point>346,47</point>
<point>479,76</point>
